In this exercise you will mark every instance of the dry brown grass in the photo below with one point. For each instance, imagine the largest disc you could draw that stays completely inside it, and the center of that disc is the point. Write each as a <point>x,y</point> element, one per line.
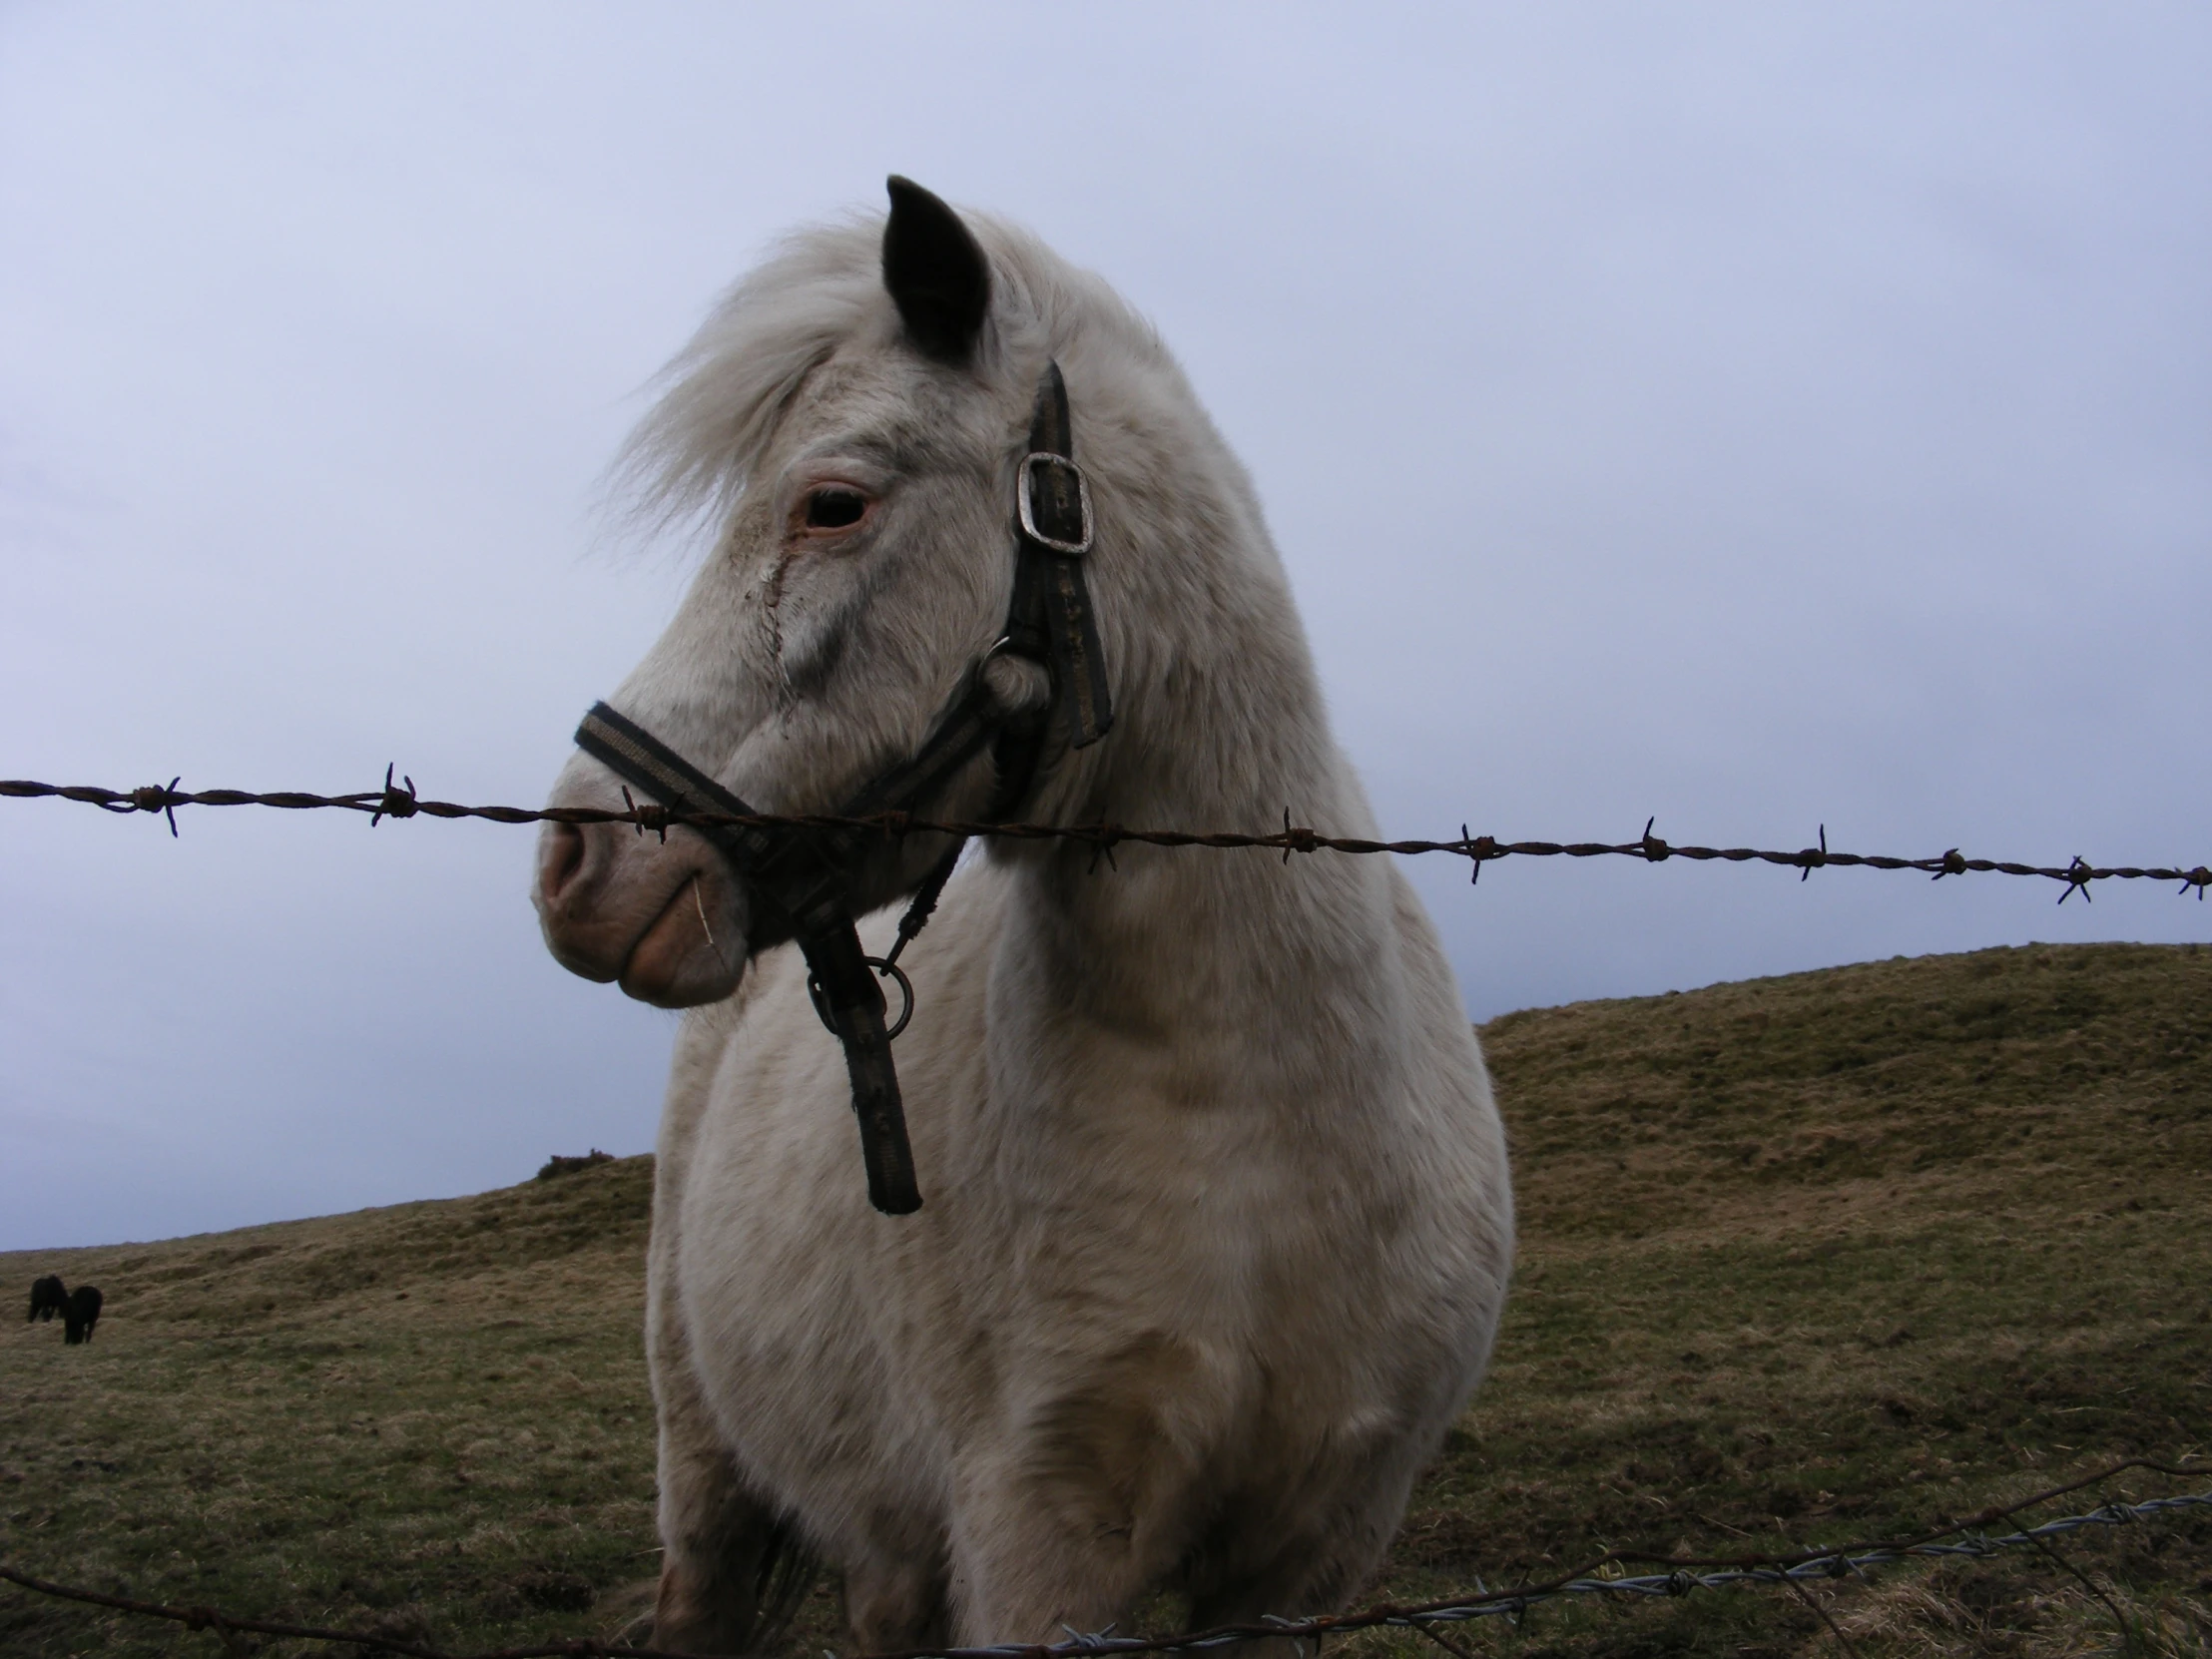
<point>1803,1260</point>
<point>426,1419</point>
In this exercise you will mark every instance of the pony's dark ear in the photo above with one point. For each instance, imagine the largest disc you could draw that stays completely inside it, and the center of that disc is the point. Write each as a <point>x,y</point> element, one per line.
<point>937,273</point>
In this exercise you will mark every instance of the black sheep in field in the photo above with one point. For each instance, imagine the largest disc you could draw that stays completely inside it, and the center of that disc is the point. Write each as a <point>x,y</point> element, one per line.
<point>82,1313</point>
<point>47,1297</point>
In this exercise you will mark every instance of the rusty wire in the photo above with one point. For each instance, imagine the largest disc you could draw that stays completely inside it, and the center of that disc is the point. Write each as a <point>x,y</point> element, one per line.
<point>1598,1577</point>
<point>402,801</point>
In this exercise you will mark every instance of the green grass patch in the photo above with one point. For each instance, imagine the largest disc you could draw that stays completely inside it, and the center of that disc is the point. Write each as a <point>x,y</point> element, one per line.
<point>1803,1260</point>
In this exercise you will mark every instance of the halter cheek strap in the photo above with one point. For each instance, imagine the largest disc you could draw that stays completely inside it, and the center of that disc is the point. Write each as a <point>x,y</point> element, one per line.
<point>800,881</point>
<point>1054,530</point>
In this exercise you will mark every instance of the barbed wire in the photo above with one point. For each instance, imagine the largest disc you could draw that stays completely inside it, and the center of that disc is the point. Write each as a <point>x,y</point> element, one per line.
<point>1684,1575</point>
<point>402,801</point>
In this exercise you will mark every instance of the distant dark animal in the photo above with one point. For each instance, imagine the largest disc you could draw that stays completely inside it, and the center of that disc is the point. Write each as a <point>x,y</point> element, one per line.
<point>560,1165</point>
<point>80,1313</point>
<point>47,1297</point>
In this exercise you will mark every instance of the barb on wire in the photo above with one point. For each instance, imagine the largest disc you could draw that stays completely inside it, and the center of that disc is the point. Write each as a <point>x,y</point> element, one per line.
<point>395,803</point>
<point>392,801</point>
<point>150,798</point>
<point>2078,877</point>
<point>1683,1575</point>
<point>1814,858</point>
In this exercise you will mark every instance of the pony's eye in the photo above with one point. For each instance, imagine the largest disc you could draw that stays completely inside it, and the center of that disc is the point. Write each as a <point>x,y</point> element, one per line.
<point>835,508</point>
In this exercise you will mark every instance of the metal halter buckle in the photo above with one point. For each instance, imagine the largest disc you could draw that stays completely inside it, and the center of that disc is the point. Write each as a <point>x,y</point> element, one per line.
<point>1024,502</point>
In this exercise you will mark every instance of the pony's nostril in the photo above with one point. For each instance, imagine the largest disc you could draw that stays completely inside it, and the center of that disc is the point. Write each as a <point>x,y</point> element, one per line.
<point>560,857</point>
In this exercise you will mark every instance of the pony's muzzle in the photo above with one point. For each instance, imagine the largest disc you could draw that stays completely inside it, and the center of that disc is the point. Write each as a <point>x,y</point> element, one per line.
<point>661,917</point>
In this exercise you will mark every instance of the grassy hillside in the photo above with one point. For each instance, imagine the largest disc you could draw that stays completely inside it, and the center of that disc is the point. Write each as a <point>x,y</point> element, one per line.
<point>1803,1260</point>
<point>431,1419</point>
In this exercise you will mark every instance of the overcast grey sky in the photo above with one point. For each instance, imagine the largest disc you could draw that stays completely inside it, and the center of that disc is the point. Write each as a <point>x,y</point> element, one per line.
<point>1753,415</point>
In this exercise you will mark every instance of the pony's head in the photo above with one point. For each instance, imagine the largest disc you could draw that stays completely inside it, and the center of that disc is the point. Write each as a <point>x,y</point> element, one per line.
<point>851,421</point>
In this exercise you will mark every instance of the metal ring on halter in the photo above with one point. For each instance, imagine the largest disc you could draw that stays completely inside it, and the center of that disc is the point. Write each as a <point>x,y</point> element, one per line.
<point>884,969</point>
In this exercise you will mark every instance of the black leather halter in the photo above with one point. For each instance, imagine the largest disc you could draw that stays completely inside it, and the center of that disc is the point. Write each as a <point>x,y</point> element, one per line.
<point>800,881</point>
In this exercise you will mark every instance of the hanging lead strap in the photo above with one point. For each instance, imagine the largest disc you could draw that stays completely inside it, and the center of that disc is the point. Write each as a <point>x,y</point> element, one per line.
<point>852,997</point>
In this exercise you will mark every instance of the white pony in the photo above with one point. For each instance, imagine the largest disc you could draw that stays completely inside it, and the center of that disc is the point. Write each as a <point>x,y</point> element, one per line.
<point>1217,1224</point>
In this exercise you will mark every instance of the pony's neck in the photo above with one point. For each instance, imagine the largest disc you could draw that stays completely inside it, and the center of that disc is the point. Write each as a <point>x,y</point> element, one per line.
<point>1221,728</point>
<point>1231,740</point>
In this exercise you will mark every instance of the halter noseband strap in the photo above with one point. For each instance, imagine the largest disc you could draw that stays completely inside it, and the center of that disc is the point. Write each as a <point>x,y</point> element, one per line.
<point>800,881</point>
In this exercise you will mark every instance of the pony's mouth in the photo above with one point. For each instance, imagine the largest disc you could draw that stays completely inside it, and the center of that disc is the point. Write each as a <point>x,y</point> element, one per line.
<point>681,959</point>
<point>662,919</point>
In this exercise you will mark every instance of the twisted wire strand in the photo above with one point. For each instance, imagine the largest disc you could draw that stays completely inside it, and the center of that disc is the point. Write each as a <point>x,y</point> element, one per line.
<point>1684,1575</point>
<point>404,800</point>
